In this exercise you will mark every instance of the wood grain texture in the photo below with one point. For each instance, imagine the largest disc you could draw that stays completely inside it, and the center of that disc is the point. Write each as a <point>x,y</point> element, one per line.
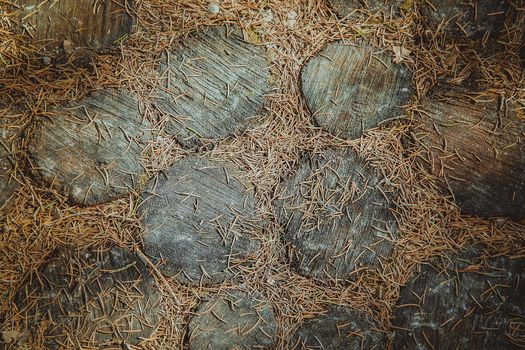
<point>339,328</point>
<point>96,299</point>
<point>10,142</point>
<point>95,24</point>
<point>479,151</point>
<point>335,216</point>
<point>233,321</point>
<point>90,150</point>
<point>472,18</point>
<point>345,7</point>
<point>463,302</point>
<point>215,83</point>
<point>350,89</point>
<point>195,220</point>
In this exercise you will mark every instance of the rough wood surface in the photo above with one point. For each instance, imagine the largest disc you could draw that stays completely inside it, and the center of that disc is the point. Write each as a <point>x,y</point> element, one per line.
<point>471,18</point>
<point>56,27</point>
<point>480,151</point>
<point>345,7</point>
<point>196,220</point>
<point>350,89</point>
<point>340,328</point>
<point>215,82</point>
<point>463,302</point>
<point>96,299</point>
<point>335,216</point>
<point>233,321</point>
<point>10,140</point>
<point>91,149</point>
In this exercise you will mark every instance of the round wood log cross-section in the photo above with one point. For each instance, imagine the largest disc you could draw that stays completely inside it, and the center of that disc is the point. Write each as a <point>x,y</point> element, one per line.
<point>344,8</point>
<point>350,89</point>
<point>478,151</point>
<point>473,18</point>
<point>91,149</point>
<point>197,220</point>
<point>96,299</point>
<point>339,328</point>
<point>336,217</point>
<point>60,27</point>
<point>463,302</point>
<point>10,141</point>
<point>215,83</point>
<point>233,321</point>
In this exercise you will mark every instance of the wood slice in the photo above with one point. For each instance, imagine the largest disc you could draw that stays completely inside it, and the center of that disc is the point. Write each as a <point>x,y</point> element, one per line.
<point>480,151</point>
<point>233,321</point>
<point>10,141</point>
<point>350,89</point>
<point>463,302</point>
<point>215,82</point>
<point>473,18</point>
<point>196,220</point>
<point>345,7</point>
<point>91,149</point>
<point>335,216</point>
<point>90,299</point>
<point>59,27</point>
<point>339,328</point>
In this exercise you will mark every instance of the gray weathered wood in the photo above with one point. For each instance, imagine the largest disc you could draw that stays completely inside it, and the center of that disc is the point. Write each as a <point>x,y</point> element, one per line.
<point>58,27</point>
<point>345,7</point>
<point>466,18</point>
<point>196,220</point>
<point>215,82</point>
<point>335,216</point>
<point>90,299</point>
<point>480,151</point>
<point>340,328</point>
<point>10,141</point>
<point>350,89</point>
<point>91,149</point>
<point>235,320</point>
<point>463,302</point>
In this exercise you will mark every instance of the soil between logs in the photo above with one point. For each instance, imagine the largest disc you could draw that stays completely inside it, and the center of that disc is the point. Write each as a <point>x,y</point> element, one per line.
<point>91,149</point>
<point>197,219</point>
<point>335,216</point>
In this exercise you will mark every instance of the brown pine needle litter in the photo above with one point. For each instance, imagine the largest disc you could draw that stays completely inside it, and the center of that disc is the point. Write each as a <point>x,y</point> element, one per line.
<point>430,225</point>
